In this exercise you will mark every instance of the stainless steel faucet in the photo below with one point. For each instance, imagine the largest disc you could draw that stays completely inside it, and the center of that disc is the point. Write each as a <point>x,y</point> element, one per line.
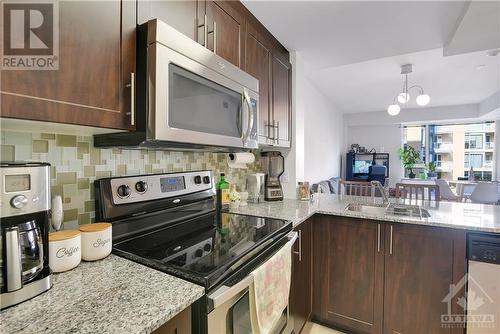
<point>382,190</point>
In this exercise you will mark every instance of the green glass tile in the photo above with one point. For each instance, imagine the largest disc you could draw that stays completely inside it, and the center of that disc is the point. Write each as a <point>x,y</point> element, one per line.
<point>83,219</point>
<point>82,148</point>
<point>89,206</point>
<point>102,174</point>
<point>52,172</point>
<point>116,151</point>
<point>8,153</point>
<point>67,200</point>
<point>88,171</point>
<point>48,136</point>
<point>70,215</point>
<point>83,183</point>
<point>148,169</point>
<point>121,170</point>
<point>66,140</point>
<point>40,146</point>
<point>66,178</point>
<point>95,156</point>
<point>56,190</point>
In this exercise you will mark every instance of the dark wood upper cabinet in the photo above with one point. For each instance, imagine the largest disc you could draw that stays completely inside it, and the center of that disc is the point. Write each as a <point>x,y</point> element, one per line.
<point>301,287</point>
<point>181,15</point>
<point>350,275</point>
<point>225,31</point>
<point>258,64</point>
<point>281,100</point>
<point>420,265</point>
<point>96,59</point>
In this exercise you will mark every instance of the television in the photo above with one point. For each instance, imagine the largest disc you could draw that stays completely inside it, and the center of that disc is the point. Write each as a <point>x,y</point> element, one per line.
<point>361,166</point>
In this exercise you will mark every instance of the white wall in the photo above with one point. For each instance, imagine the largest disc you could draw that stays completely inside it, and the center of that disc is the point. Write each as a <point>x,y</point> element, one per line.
<point>317,133</point>
<point>387,137</point>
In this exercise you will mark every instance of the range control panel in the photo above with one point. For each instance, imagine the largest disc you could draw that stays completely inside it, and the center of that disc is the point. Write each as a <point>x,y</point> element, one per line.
<point>142,188</point>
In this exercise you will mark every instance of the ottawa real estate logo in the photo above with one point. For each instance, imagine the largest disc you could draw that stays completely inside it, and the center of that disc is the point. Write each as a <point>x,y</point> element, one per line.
<point>30,35</point>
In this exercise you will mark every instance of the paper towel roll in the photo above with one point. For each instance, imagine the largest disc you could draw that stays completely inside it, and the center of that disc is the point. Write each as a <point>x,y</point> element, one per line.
<point>240,160</point>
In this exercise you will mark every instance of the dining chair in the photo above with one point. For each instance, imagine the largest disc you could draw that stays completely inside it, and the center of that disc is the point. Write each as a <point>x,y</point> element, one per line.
<point>417,191</point>
<point>485,193</point>
<point>445,191</point>
<point>356,188</point>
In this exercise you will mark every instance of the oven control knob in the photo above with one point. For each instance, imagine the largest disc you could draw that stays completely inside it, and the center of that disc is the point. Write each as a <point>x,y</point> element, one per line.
<point>197,179</point>
<point>123,191</point>
<point>207,247</point>
<point>141,187</point>
<point>18,201</point>
<point>199,252</point>
<point>206,179</point>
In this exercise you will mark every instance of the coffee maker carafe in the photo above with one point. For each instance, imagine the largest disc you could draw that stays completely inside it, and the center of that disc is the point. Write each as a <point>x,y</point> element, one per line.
<point>273,165</point>
<point>25,207</point>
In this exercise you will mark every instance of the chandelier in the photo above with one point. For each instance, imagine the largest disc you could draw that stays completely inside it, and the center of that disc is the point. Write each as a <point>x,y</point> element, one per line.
<point>404,97</point>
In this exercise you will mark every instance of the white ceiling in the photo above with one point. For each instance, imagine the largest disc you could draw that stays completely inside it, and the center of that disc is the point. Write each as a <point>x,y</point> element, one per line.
<point>354,49</point>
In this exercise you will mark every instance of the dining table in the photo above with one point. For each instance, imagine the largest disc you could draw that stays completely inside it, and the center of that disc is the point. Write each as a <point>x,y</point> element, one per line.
<point>464,188</point>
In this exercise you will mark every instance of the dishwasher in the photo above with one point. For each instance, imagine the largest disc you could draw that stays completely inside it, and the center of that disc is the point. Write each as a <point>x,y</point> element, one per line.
<point>483,284</point>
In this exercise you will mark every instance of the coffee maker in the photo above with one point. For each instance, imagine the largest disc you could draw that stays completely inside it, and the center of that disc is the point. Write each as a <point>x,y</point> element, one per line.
<point>25,208</point>
<point>273,165</point>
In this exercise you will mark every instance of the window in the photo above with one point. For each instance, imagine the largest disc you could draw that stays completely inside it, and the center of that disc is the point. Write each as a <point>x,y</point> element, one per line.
<point>474,160</point>
<point>414,136</point>
<point>473,141</point>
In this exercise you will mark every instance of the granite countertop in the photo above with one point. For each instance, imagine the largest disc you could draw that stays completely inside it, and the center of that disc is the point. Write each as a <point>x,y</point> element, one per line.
<point>113,295</point>
<point>468,216</point>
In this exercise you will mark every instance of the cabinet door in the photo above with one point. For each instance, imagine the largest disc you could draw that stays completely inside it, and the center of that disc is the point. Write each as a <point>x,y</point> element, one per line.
<point>96,59</point>
<point>225,31</point>
<point>421,263</point>
<point>349,273</point>
<point>301,292</point>
<point>181,15</point>
<point>180,324</point>
<point>258,65</point>
<point>281,100</point>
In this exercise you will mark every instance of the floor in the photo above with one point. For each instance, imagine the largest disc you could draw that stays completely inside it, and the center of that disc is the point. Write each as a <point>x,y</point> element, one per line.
<point>313,328</point>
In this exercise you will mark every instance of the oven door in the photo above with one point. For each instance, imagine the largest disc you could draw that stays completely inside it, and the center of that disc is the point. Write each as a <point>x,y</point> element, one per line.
<point>231,313</point>
<point>195,104</point>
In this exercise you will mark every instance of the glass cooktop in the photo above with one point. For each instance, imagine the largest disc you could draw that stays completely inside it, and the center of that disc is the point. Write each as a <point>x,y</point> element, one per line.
<point>205,247</point>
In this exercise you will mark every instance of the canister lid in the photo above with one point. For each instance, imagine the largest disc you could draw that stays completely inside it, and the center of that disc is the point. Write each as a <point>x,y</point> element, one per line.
<point>95,227</point>
<point>63,235</point>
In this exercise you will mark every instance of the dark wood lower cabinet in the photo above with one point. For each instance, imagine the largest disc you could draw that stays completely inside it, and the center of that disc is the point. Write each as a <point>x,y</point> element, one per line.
<point>420,264</point>
<point>301,287</point>
<point>376,277</point>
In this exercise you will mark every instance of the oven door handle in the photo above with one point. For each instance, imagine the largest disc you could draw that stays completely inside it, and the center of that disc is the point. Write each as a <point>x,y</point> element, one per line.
<point>225,293</point>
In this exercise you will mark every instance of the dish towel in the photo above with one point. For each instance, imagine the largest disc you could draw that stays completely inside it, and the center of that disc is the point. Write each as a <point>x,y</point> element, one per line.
<point>270,290</point>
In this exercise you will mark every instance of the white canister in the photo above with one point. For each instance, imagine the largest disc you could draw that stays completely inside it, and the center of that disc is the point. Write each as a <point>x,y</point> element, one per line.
<point>96,241</point>
<point>64,250</point>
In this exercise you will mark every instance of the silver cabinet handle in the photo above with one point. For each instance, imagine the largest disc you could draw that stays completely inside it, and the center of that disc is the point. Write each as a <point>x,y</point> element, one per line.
<point>275,130</point>
<point>215,37</point>
<point>299,253</point>
<point>131,85</point>
<point>378,238</point>
<point>278,132</point>
<point>205,31</point>
<point>390,242</point>
<point>13,259</point>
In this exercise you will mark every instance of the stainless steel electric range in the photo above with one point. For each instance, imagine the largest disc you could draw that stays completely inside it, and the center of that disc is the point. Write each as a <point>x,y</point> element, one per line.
<point>170,222</point>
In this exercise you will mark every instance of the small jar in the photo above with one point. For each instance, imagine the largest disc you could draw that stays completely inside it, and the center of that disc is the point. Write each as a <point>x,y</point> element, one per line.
<point>96,241</point>
<point>64,250</point>
<point>304,191</point>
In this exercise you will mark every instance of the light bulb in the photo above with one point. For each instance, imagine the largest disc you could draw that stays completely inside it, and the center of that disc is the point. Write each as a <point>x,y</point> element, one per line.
<point>423,99</point>
<point>393,109</point>
<point>403,97</point>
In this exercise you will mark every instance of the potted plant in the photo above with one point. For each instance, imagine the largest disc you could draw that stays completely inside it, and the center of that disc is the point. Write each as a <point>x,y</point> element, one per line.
<point>409,157</point>
<point>431,170</point>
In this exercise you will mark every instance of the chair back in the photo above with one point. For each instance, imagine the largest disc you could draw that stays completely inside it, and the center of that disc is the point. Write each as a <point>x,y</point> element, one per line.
<point>377,173</point>
<point>356,188</point>
<point>445,191</point>
<point>417,191</point>
<point>485,192</point>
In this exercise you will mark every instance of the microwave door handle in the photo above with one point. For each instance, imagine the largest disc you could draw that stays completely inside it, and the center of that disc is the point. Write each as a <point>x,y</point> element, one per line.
<point>13,259</point>
<point>246,97</point>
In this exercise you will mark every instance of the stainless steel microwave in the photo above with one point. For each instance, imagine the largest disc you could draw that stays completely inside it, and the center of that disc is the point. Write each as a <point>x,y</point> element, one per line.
<point>187,97</point>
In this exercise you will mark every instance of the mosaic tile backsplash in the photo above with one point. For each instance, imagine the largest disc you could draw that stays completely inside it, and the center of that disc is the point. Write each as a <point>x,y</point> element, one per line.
<point>76,164</point>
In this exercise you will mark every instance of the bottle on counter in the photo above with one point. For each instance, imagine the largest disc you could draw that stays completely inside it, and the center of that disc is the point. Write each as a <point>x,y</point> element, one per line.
<point>223,190</point>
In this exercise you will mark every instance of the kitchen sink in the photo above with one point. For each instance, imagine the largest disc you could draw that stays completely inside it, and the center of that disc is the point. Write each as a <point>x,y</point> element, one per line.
<point>391,209</point>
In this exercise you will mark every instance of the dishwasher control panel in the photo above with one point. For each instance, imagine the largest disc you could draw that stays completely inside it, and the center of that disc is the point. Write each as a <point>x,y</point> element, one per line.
<point>484,248</point>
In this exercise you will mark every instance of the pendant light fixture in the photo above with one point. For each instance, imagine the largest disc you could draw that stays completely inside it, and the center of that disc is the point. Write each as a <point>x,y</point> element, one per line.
<point>404,97</point>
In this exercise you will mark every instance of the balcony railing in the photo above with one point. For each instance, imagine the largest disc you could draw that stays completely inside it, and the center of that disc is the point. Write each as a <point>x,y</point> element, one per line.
<point>443,147</point>
<point>444,166</point>
<point>488,145</point>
